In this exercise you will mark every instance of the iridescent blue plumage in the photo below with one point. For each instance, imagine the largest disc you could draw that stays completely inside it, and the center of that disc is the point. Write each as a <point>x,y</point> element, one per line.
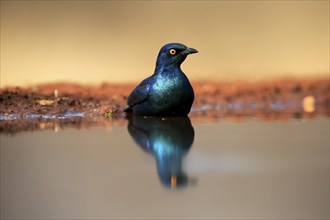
<point>168,140</point>
<point>168,91</point>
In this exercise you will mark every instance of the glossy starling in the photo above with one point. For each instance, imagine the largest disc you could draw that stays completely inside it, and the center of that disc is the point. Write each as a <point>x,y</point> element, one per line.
<point>168,91</point>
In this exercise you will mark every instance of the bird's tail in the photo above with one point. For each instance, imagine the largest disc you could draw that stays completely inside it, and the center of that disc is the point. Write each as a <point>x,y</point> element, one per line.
<point>128,109</point>
<point>128,112</point>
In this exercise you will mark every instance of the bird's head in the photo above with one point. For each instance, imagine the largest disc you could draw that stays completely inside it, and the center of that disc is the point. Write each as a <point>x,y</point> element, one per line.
<point>173,54</point>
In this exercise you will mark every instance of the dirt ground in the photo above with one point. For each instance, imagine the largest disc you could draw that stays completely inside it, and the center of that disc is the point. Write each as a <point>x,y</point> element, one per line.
<point>56,101</point>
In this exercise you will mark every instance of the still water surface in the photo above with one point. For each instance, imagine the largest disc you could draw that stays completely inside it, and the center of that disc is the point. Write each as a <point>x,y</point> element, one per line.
<point>174,168</point>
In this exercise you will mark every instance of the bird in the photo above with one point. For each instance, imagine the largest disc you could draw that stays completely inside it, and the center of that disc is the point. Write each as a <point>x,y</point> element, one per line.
<point>167,92</point>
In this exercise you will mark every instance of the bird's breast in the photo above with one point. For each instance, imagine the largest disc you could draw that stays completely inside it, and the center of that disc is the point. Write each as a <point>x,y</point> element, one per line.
<point>164,85</point>
<point>168,90</point>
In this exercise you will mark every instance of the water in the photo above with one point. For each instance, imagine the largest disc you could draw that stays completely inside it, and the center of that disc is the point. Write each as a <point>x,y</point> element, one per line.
<point>173,168</point>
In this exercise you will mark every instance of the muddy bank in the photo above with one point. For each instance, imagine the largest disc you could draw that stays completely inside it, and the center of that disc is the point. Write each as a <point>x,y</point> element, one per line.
<point>267,99</point>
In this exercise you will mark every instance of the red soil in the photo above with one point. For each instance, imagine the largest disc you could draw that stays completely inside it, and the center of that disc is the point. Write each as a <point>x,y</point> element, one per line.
<point>109,99</point>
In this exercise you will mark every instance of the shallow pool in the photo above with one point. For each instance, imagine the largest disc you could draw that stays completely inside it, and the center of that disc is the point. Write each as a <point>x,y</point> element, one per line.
<point>156,168</point>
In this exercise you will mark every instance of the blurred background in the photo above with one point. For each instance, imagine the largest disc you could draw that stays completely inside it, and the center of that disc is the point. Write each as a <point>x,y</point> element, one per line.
<point>118,41</point>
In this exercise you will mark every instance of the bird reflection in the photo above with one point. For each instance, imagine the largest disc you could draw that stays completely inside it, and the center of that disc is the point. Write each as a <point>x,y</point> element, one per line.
<point>168,139</point>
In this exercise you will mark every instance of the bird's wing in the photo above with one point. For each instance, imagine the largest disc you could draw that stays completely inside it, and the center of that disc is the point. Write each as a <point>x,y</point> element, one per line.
<point>140,135</point>
<point>140,93</point>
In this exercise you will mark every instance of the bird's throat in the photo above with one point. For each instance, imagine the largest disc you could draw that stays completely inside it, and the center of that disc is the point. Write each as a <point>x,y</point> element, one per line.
<point>165,70</point>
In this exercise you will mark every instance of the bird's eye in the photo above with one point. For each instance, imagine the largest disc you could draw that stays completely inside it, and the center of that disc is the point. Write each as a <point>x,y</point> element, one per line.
<point>172,51</point>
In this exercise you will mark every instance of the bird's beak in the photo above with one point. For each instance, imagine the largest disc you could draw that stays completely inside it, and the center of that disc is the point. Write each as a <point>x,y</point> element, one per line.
<point>190,50</point>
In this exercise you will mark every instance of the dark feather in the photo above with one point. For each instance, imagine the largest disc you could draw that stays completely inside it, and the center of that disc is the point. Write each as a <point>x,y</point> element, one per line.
<point>140,93</point>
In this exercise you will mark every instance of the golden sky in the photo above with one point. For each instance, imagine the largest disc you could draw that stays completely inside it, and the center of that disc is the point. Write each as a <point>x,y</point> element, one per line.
<point>118,41</point>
